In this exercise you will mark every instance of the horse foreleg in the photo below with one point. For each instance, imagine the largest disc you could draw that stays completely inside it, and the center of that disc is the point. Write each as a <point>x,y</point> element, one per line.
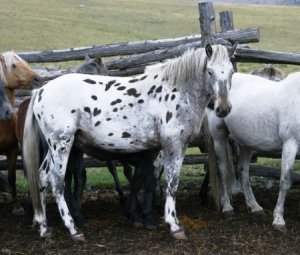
<point>11,168</point>
<point>289,151</point>
<point>243,173</point>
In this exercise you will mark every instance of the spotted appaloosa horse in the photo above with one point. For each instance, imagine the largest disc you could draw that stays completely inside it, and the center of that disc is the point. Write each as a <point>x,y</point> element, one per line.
<point>14,73</point>
<point>161,108</point>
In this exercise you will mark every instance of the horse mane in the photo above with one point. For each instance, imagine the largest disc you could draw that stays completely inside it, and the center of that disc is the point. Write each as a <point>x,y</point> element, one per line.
<point>7,60</point>
<point>192,63</point>
<point>270,72</point>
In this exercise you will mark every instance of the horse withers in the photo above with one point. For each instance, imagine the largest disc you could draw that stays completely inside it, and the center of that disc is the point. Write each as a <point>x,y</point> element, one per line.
<point>161,108</point>
<point>14,73</point>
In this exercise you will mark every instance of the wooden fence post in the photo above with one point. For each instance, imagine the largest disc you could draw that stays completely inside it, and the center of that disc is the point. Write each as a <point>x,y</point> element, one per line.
<point>226,21</point>
<point>207,22</point>
<point>226,24</point>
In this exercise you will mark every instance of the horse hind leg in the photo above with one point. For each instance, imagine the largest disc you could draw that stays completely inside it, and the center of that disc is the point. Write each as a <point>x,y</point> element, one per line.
<point>289,152</point>
<point>58,166</point>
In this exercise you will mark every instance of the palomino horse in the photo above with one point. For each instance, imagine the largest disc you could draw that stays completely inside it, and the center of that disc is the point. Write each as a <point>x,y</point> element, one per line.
<point>161,108</point>
<point>264,118</point>
<point>14,73</point>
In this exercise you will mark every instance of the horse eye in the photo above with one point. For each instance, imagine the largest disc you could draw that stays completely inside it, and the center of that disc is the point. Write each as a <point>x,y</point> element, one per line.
<point>210,73</point>
<point>13,66</point>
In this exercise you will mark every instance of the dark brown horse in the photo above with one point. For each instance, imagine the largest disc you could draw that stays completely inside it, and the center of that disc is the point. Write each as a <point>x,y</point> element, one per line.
<point>14,73</point>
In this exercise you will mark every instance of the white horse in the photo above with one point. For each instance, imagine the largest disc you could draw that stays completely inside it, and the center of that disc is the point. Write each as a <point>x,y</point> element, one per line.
<point>161,108</point>
<point>264,117</point>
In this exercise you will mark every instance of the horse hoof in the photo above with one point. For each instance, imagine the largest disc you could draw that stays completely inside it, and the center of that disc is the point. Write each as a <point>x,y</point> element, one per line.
<point>228,215</point>
<point>179,235</point>
<point>280,228</point>
<point>78,237</point>
<point>48,234</point>
<point>259,213</point>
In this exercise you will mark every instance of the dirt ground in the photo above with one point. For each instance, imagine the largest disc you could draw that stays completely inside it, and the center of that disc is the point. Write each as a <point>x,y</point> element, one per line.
<point>109,232</point>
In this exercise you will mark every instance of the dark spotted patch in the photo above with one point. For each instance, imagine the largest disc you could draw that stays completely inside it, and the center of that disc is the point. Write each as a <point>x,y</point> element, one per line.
<point>143,78</point>
<point>140,101</point>
<point>124,117</point>
<point>155,76</point>
<point>54,147</point>
<point>159,99</point>
<point>40,95</point>
<point>49,142</point>
<point>39,116</point>
<point>132,92</point>
<point>173,214</point>
<point>117,84</point>
<point>177,107</point>
<point>42,189</point>
<point>173,97</point>
<point>115,109</point>
<point>100,82</point>
<point>94,97</point>
<point>174,90</point>
<point>151,90</point>
<point>96,112</point>
<point>110,134</point>
<point>108,85</point>
<point>121,88</point>
<point>159,89</point>
<point>97,123</point>
<point>89,81</point>
<point>166,97</point>
<point>116,102</point>
<point>130,104</point>
<point>87,109</point>
<point>125,135</point>
<point>168,116</point>
<point>111,145</point>
<point>133,80</point>
<point>108,119</point>
<point>73,111</point>
<point>62,148</point>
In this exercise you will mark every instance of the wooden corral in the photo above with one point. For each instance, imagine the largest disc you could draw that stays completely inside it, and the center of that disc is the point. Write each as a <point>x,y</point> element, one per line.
<point>132,57</point>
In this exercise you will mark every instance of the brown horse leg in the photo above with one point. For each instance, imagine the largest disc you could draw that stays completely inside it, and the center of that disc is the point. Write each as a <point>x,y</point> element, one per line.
<point>11,168</point>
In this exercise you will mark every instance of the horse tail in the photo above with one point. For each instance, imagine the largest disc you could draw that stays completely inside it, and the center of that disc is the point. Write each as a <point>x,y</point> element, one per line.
<point>31,155</point>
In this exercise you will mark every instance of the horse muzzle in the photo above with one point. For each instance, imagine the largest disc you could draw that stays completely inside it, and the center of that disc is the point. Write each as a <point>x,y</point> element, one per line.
<point>222,110</point>
<point>36,82</point>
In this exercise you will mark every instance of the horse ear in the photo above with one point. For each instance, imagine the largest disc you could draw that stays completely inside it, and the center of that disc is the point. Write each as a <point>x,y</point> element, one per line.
<point>208,50</point>
<point>231,50</point>
<point>98,60</point>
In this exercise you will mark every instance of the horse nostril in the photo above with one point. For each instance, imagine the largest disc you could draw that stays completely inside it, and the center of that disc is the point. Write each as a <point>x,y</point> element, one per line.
<point>37,80</point>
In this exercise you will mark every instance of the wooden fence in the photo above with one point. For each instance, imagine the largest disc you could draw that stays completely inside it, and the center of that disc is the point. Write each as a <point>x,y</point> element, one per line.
<point>133,57</point>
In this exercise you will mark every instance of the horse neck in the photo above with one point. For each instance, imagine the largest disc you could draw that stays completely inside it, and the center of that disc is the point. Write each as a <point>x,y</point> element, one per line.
<point>11,95</point>
<point>197,95</point>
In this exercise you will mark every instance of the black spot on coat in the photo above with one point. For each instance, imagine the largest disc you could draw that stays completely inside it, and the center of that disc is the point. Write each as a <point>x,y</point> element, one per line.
<point>133,80</point>
<point>168,116</point>
<point>116,102</point>
<point>159,89</point>
<point>89,81</point>
<point>108,85</point>
<point>87,109</point>
<point>94,97</point>
<point>125,135</point>
<point>96,112</point>
<point>133,92</point>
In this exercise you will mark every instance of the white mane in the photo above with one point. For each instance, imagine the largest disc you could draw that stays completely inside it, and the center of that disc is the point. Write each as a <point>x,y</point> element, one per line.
<point>191,64</point>
<point>7,60</point>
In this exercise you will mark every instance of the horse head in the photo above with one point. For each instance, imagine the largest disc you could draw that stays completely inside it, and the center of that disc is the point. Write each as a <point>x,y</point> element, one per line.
<point>16,73</point>
<point>93,66</point>
<point>218,73</point>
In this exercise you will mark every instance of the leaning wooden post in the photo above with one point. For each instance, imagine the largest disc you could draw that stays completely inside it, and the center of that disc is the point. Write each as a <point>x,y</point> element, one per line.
<point>207,22</point>
<point>226,21</point>
<point>226,24</point>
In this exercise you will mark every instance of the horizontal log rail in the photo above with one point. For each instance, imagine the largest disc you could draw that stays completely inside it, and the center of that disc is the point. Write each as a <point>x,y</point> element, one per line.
<point>127,48</point>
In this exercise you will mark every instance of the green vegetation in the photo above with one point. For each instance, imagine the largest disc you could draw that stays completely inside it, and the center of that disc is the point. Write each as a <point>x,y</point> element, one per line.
<point>58,24</point>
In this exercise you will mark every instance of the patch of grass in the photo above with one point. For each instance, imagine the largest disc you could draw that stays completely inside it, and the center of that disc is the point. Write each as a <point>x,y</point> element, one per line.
<point>56,24</point>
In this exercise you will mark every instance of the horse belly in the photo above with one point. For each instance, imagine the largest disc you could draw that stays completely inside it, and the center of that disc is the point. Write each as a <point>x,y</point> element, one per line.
<point>259,132</point>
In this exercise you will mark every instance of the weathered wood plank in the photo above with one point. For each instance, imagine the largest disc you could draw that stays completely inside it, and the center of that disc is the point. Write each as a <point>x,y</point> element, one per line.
<point>128,48</point>
<point>207,22</point>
